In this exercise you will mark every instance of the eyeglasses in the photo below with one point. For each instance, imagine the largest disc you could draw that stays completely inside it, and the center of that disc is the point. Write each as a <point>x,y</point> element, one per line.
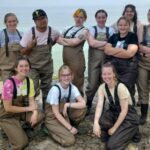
<point>65,75</point>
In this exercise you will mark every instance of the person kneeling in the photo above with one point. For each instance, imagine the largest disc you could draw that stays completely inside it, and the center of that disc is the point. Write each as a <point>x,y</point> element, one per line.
<point>116,120</point>
<point>65,109</point>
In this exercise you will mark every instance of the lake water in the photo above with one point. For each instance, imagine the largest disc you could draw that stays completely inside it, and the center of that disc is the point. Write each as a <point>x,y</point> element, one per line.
<point>60,17</point>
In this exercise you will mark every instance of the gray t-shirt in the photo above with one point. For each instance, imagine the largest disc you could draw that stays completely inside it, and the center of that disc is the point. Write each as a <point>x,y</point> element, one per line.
<point>13,37</point>
<point>53,95</point>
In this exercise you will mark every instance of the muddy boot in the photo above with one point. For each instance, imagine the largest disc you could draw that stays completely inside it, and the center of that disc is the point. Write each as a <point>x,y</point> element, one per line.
<point>144,111</point>
<point>89,105</point>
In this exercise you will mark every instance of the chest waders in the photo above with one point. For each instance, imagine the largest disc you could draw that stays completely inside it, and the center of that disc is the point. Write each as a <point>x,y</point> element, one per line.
<point>95,60</point>
<point>74,58</point>
<point>127,69</point>
<point>128,128</point>
<point>11,123</point>
<point>9,54</point>
<point>42,66</point>
<point>57,131</point>
<point>143,78</point>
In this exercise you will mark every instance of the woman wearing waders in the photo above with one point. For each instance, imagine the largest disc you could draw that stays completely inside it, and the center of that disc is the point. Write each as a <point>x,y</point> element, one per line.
<point>97,39</point>
<point>131,13</point>
<point>121,50</point>
<point>18,111</point>
<point>73,55</point>
<point>116,121</point>
<point>65,109</point>
<point>9,46</point>
<point>144,69</point>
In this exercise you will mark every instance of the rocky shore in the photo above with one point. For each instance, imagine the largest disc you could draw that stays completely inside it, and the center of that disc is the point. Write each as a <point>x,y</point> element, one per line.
<point>85,140</point>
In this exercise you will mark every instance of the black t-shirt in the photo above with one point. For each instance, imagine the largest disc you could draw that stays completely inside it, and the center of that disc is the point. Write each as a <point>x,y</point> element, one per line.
<point>119,42</point>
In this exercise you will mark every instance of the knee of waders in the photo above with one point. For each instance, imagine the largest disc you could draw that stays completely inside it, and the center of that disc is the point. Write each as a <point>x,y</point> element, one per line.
<point>69,141</point>
<point>21,144</point>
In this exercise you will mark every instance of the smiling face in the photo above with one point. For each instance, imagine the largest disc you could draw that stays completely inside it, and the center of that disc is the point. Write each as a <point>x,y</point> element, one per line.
<point>11,23</point>
<point>65,77</point>
<point>41,23</point>
<point>123,26</point>
<point>108,75</point>
<point>101,19</point>
<point>23,68</point>
<point>129,13</point>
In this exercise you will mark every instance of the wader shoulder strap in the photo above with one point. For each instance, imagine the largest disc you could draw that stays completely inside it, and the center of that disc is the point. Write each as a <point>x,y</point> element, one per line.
<point>110,98</point>
<point>15,87</point>
<point>33,33</point>
<point>107,33</point>
<point>135,28</point>
<point>28,86</point>
<point>19,34</point>
<point>96,32</point>
<point>73,35</point>
<point>49,40</point>
<point>67,31</point>
<point>6,42</point>
<point>69,94</point>
<point>144,34</point>
<point>59,97</point>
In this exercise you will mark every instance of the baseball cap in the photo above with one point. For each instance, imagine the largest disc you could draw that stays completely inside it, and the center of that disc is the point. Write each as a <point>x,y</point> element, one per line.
<point>38,13</point>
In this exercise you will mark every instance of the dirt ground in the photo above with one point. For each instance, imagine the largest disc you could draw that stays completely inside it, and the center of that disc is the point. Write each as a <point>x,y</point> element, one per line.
<point>84,139</point>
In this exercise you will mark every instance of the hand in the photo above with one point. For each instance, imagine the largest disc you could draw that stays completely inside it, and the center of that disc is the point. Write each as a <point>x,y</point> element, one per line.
<point>34,118</point>
<point>65,109</point>
<point>32,44</point>
<point>74,131</point>
<point>32,107</point>
<point>96,130</point>
<point>111,131</point>
<point>147,55</point>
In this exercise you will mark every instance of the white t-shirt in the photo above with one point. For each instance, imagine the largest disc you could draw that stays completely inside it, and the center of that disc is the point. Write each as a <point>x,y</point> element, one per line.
<point>53,95</point>
<point>72,31</point>
<point>101,30</point>
<point>40,36</point>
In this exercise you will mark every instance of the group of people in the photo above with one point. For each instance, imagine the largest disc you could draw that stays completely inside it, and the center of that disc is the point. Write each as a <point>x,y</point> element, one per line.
<point>118,59</point>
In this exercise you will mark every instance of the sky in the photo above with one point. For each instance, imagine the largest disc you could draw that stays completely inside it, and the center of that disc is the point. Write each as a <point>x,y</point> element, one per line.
<point>42,3</point>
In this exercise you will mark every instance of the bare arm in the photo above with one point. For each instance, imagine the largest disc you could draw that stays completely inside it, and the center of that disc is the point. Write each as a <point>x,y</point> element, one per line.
<point>98,112</point>
<point>27,50</point>
<point>129,53</point>
<point>18,109</point>
<point>74,41</point>
<point>78,105</point>
<point>95,43</point>
<point>109,50</point>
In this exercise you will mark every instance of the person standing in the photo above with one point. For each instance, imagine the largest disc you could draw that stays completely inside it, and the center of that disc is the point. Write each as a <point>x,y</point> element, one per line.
<point>9,46</point>
<point>97,39</point>
<point>37,44</point>
<point>121,50</point>
<point>144,69</point>
<point>73,54</point>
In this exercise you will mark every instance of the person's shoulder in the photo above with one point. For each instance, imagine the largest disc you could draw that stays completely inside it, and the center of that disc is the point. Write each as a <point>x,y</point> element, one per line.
<point>122,86</point>
<point>102,86</point>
